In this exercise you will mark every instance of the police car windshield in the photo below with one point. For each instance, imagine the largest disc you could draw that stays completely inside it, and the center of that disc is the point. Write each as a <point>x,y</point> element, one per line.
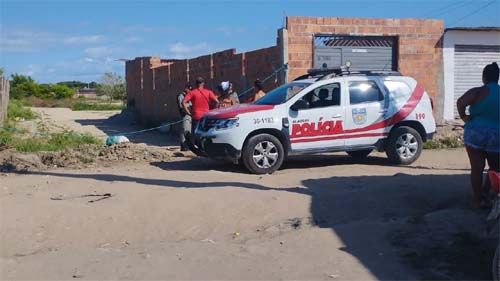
<point>282,93</point>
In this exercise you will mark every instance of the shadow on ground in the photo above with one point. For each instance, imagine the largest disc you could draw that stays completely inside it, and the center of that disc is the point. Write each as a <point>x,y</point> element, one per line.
<point>311,161</point>
<point>398,227</point>
<point>124,123</point>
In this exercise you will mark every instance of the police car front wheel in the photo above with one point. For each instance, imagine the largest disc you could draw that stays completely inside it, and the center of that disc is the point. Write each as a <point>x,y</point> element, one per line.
<point>404,145</point>
<point>263,154</point>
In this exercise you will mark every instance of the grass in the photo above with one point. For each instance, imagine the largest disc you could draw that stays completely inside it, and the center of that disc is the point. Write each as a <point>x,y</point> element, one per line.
<point>21,140</point>
<point>447,142</point>
<point>78,104</point>
<point>45,142</point>
<point>53,142</point>
<point>16,111</point>
<point>82,105</point>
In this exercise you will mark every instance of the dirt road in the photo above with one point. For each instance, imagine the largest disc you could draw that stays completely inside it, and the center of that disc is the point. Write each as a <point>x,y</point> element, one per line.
<point>329,218</point>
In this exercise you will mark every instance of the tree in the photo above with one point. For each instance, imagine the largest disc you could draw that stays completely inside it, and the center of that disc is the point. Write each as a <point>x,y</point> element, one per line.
<point>112,85</point>
<point>62,91</point>
<point>23,86</point>
<point>1,71</point>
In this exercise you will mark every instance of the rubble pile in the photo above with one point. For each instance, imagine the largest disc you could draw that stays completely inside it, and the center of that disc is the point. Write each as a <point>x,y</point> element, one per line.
<point>87,155</point>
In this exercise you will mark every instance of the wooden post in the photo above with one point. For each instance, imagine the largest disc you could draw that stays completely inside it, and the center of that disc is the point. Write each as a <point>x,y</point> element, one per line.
<point>4,99</point>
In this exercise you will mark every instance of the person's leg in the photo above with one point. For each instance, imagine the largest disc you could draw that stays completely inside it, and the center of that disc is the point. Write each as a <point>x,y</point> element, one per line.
<point>182,131</point>
<point>187,124</point>
<point>477,163</point>
<point>194,124</point>
<point>493,161</point>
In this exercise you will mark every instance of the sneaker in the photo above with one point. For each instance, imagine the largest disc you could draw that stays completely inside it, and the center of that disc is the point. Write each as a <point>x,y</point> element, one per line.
<point>184,147</point>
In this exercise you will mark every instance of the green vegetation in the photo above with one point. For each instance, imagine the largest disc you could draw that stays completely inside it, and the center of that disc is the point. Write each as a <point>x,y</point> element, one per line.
<point>113,86</point>
<point>44,140</point>
<point>78,84</point>
<point>24,86</point>
<point>53,141</point>
<point>61,94</point>
<point>447,142</point>
<point>16,110</point>
<point>82,105</point>
<point>21,141</point>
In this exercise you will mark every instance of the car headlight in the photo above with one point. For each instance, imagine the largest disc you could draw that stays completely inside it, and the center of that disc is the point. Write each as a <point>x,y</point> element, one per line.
<point>223,124</point>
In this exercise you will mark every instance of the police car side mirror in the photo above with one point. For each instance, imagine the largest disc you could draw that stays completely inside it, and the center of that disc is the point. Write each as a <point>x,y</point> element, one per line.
<point>299,105</point>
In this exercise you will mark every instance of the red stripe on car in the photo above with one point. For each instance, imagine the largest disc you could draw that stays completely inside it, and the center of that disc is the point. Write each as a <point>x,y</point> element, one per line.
<point>410,105</point>
<point>339,137</point>
<point>231,112</point>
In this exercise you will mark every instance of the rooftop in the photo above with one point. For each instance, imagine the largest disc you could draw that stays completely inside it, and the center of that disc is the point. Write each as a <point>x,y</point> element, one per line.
<point>478,28</point>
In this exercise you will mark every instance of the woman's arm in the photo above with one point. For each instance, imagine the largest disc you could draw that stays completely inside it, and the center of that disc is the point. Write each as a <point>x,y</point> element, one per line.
<point>470,97</point>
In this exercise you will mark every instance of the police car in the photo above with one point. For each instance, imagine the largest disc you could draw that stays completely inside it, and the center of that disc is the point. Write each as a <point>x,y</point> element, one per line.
<point>322,111</point>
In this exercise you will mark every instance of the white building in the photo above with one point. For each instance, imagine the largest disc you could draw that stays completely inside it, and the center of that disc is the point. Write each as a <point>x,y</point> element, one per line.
<point>466,51</point>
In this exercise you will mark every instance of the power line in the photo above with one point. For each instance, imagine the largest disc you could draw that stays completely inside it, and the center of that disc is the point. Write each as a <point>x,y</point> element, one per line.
<point>448,8</point>
<point>473,13</point>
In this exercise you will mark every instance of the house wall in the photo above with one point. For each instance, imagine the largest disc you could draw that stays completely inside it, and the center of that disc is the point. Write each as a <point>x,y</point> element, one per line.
<point>419,53</point>
<point>460,37</point>
<point>153,83</point>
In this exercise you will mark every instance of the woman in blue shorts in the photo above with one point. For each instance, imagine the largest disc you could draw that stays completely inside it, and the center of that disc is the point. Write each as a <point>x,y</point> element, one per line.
<point>482,129</point>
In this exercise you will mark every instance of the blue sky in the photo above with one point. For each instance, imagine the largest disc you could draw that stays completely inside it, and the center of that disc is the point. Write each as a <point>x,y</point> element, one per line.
<point>79,40</point>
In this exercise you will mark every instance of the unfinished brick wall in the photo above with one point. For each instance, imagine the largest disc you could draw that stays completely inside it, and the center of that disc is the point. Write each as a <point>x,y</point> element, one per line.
<point>153,83</point>
<point>419,40</point>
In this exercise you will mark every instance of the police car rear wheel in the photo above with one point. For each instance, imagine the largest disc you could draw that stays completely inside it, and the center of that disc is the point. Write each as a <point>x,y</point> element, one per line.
<point>263,154</point>
<point>404,145</point>
<point>359,153</point>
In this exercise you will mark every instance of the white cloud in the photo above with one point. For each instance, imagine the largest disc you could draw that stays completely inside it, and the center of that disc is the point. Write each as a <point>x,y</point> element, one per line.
<point>134,39</point>
<point>92,39</point>
<point>98,52</point>
<point>180,50</point>
<point>13,39</point>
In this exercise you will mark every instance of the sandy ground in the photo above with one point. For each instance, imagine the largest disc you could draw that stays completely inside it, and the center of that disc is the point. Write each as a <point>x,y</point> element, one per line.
<point>197,219</point>
<point>322,218</point>
<point>99,124</point>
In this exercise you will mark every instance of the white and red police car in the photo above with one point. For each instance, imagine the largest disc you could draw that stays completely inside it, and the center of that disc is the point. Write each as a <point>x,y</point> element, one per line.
<point>323,111</point>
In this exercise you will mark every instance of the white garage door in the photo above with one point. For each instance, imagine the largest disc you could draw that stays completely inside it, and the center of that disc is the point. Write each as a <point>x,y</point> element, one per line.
<point>469,63</point>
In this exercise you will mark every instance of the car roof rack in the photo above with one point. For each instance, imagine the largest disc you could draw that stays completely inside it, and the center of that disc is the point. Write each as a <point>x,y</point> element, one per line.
<point>326,73</point>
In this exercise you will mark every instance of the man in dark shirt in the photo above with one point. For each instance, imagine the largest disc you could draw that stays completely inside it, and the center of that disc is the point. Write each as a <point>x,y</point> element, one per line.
<point>200,99</point>
<point>186,119</point>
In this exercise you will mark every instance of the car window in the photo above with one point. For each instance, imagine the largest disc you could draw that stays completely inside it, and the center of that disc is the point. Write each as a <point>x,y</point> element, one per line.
<point>282,93</point>
<point>364,91</point>
<point>398,90</point>
<point>326,95</point>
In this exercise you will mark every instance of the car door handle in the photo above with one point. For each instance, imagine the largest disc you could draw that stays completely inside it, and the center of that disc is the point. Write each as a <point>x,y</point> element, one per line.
<point>337,116</point>
<point>383,111</point>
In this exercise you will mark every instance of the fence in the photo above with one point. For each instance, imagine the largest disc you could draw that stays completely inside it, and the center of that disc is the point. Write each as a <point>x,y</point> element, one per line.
<point>4,99</point>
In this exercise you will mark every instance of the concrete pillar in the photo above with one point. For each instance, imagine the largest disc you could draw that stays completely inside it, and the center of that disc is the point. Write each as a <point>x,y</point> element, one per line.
<point>283,43</point>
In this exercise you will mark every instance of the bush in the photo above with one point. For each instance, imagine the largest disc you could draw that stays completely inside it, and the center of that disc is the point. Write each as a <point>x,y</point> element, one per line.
<point>15,110</point>
<point>81,105</point>
<point>50,142</point>
<point>447,142</point>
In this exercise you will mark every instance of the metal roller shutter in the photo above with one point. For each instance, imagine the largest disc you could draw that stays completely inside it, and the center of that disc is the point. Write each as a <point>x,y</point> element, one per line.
<point>469,63</point>
<point>364,52</point>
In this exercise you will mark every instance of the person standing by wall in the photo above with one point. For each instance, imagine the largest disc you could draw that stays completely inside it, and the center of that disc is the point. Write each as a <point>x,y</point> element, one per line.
<point>227,96</point>
<point>186,119</point>
<point>482,130</point>
<point>259,92</point>
<point>200,99</point>
<point>227,87</point>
